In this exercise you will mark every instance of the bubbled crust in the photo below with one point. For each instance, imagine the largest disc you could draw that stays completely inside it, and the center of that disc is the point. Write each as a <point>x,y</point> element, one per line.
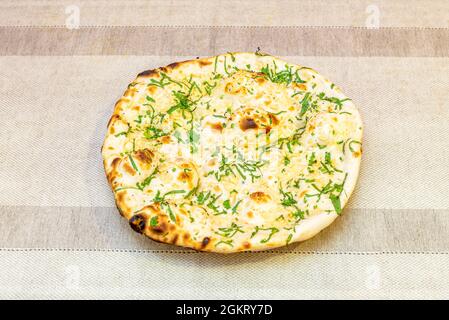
<point>178,233</point>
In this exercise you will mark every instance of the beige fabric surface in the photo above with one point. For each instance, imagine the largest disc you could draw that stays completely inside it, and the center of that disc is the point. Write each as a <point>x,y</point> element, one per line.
<point>207,41</point>
<point>393,13</point>
<point>164,275</point>
<point>60,235</point>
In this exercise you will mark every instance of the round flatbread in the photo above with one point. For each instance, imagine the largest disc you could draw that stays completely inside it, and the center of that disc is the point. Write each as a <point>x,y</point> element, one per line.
<point>242,151</point>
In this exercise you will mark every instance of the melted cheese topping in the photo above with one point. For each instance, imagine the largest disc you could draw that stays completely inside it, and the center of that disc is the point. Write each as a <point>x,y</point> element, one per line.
<point>232,153</point>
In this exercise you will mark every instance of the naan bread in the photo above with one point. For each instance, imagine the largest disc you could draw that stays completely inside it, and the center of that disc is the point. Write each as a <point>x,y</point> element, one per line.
<point>237,152</point>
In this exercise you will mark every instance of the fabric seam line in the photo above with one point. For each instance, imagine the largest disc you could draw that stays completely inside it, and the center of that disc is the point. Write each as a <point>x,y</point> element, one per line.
<point>358,253</point>
<point>220,27</point>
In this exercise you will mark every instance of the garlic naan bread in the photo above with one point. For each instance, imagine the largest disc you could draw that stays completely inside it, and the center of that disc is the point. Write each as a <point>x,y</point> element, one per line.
<point>242,151</point>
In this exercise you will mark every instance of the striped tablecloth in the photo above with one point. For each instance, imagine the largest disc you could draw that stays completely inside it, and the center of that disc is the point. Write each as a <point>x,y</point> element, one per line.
<point>63,64</point>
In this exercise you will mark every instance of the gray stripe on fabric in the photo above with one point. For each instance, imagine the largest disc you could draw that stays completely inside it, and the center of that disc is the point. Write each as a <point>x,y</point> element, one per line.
<point>357,230</point>
<point>314,41</point>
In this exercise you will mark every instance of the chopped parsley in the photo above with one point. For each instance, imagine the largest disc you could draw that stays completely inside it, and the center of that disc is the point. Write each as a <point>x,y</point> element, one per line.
<point>154,221</point>
<point>285,76</point>
<point>273,231</point>
<point>230,231</point>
